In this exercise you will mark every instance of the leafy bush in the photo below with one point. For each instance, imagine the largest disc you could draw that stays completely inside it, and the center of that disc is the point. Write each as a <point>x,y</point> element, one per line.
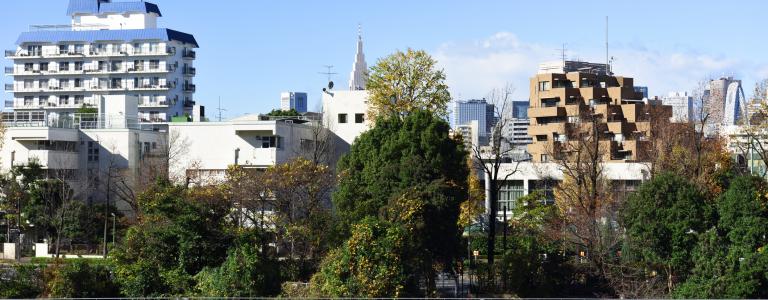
<point>81,279</point>
<point>21,281</point>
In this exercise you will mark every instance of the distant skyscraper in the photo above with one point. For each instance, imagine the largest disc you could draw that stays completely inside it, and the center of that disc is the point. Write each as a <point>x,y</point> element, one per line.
<point>520,109</point>
<point>567,66</point>
<point>358,78</point>
<point>293,100</point>
<point>478,110</point>
<point>643,90</point>
<point>725,102</point>
<point>682,106</point>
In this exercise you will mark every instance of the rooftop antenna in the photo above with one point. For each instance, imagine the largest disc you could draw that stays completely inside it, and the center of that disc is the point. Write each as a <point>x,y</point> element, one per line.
<point>562,54</point>
<point>607,59</point>
<point>328,73</point>
<point>220,110</point>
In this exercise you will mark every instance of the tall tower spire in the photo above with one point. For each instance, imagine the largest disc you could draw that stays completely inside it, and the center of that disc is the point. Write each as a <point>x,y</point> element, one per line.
<point>358,78</point>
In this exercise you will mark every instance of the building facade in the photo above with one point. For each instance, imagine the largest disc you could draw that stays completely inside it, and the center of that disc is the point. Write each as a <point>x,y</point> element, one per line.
<point>565,106</point>
<point>682,106</point>
<point>725,102</point>
<point>293,100</point>
<point>517,133</point>
<point>109,48</point>
<point>475,110</point>
<point>643,90</point>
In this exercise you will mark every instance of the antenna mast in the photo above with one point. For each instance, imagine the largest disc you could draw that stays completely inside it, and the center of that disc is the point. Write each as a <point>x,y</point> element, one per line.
<point>328,73</point>
<point>607,59</point>
<point>219,109</point>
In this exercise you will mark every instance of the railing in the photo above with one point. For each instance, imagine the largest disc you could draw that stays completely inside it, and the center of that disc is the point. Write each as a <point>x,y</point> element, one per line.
<point>8,103</point>
<point>153,103</point>
<point>189,103</point>
<point>189,54</point>
<point>75,121</point>
<point>190,88</point>
<point>10,53</point>
<point>190,71</point>
<point>8,70</point>
<point>9,87</point>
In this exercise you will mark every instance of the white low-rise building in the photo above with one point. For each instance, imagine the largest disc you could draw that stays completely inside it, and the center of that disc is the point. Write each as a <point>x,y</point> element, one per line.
<point>206,149</point>
<point>526,177</point>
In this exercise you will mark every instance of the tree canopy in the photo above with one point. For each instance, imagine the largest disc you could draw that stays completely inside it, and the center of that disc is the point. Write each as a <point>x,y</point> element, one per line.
<point>405,82</point>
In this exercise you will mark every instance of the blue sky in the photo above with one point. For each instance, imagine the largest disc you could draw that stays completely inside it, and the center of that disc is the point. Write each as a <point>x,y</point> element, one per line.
<point>252,50</point>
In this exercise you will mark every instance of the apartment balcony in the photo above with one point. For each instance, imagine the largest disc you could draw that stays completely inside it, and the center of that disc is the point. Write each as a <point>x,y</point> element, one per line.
<point>189,103</point>
<point>153,52</point>
<point>553,111</point>
<point>190,71</point>
<point>8,70</point>
<point>52,159</point>
<point>150,70</point>
<point>9,87</point>
<point>8,104</point>
<point>143,87</point>
<point>155,103</point>
<point>189,54</point>
<point>546,129</point>
<point>10,53</point>
<point>190,88</point>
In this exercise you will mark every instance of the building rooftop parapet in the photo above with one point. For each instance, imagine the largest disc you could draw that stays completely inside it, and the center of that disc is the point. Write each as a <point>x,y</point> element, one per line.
<point>83,121</point>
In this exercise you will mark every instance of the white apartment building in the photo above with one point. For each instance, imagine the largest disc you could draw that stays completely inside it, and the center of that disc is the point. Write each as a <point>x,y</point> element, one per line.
<point>682,106</point>
<point>109,48</point>
<point>527,177</point>
<point>470,134</point>
<point>81,147</point>
<point>207,149</point>
<point>517,133</point>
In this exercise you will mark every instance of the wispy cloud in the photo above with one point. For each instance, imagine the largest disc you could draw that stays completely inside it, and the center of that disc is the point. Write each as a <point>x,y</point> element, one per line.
<point>475,67</point>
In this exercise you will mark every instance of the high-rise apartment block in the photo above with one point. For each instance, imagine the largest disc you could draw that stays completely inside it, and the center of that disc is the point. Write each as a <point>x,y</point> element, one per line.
<point>724,101</point>
<point>109,48</point>
<point>566,106</point>
<point>293,100</point>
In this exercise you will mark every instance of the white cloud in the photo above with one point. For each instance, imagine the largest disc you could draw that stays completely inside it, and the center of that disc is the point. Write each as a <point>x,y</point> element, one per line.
<point>475,67</point>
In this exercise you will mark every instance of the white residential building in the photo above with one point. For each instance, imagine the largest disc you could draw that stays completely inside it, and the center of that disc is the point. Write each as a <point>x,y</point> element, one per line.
<point>517,133</point>
<point>682,106</point>
<point>109,48</point>
<point>527,177</point>
<point>249,141</point>
<point>470,133</point>
<point>81,148</point>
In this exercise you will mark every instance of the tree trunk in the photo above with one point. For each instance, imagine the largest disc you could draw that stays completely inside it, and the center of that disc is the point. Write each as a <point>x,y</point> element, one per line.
<point>491,247</point>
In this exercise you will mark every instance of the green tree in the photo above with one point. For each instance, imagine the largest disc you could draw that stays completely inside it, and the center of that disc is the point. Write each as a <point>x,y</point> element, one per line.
<point>81,279</point>
<point>661,220</point>
<point>22,281</point>
<point>731,259</point>
<point>405,82</point>
<point>400,155</point>
<point>369,264</point>
<point>284,113</point>
<point>181,232</point>
<point>244,273</point>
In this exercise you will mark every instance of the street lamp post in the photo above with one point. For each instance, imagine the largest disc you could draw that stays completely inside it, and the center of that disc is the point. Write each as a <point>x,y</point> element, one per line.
<point>114,220</point>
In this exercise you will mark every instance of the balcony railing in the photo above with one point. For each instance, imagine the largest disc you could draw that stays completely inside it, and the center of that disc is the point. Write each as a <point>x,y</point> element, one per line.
<point>9,87</point>
<point>191,54</point>
<point>75,121</point>
<point>10,53</point>
<point>190,71</point>
<point>153,103</point>
<point>189,103</point>
<point>8,70</point>
<point>189,88</point>
<point>9,103</point>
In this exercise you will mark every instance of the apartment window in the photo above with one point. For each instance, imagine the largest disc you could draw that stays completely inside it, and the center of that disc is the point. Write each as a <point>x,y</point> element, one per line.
<point>78,66</point>
<point>509,192</point>
<point>546,187</point>
<point>35,50</point>
<point>103,83</point>
<point>138,65</point>
<point>29,67</point>
<point>271,142</point>
<point>154,47</point>
<point>79,49</point>
<point>64,83</point>
<point>117,65</point>
<point>154,116</point>
<point>544,158</point>
<point>574,119</point>
<point>93,151</point>
<point>154,81</point>
<point>28,100</point>
<point>63,49</point>
<point>544,85</point>
<point>154,64</point>
<point>103,66</point>
<point>342,118</point>
<point>29,83</point>
<point>359,118</point>
<point>79,99</point>
<point>44,83</point>
<point>43,100</point>
<point>116,83</point>
<point>64,100</point>
<point>43,66</point>
<point>63,66</point>
<point>78,82</point>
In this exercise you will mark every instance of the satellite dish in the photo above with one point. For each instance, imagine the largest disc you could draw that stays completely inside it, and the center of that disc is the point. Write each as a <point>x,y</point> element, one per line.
<point>330,85</point>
